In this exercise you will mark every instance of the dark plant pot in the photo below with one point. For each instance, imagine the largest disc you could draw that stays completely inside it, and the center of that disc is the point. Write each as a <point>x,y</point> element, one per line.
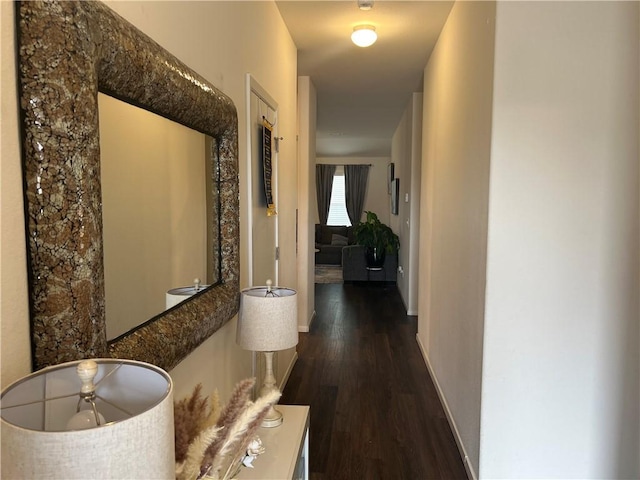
<point>374,257</point>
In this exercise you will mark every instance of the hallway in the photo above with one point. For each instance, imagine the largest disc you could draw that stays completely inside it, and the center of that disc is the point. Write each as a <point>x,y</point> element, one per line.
<point>375,413</point>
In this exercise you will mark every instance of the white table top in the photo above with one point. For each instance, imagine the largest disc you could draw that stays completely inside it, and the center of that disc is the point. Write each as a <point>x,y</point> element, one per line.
<point>282,444</point>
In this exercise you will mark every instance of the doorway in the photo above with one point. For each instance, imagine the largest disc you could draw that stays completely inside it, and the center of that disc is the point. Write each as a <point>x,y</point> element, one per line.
<point>263,242</point>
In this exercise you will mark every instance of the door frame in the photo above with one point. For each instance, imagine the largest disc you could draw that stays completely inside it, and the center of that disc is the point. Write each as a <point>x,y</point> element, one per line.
<point>254,87</point>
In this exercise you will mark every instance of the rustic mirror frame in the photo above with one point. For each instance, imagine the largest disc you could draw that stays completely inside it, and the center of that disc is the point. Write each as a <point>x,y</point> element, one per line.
<point>68,51</point>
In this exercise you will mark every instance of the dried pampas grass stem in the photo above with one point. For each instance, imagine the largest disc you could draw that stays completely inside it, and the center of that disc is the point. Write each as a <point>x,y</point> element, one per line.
<point>237,403</point>
<point>211,441</point>
<point>239,433</point>
<point>195,453</point>
<point>190,416</point>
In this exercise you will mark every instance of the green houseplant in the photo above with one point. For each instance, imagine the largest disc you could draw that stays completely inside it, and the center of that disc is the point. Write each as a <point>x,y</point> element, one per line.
<point>377,237</point>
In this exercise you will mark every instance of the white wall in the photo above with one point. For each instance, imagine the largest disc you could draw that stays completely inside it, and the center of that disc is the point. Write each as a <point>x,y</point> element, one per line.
<point>307,113</point>
<point>453,213</point>
<point>221,41</point>
<point>15,349</point>
<point>377,199</point>
<point>406,154</point>
<point>560,374</point>
<point>414,198</point>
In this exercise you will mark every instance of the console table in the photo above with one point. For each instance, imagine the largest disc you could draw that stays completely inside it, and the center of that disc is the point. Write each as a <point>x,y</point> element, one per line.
<point>286,453</point>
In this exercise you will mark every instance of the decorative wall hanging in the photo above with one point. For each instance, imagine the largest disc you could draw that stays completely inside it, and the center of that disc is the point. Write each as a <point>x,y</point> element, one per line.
<point>267,130</point>
<point>395,194</point>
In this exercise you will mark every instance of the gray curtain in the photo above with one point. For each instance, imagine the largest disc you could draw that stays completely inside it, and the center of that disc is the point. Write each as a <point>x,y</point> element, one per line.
<point>324,186</point>
<point>355,188</point>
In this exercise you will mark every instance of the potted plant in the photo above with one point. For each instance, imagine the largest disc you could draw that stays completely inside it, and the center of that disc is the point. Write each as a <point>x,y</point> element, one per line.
<point>377,237</point>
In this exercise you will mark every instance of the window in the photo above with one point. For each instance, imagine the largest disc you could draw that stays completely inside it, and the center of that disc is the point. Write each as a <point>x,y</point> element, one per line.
<point>338,206</point>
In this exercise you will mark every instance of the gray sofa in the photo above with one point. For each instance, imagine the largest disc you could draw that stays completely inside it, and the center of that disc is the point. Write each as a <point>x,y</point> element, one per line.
<point>330,240</point>
<point>354,266</point>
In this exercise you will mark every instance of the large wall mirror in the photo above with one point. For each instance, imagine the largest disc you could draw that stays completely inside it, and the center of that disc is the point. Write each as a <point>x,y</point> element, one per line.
<point>68,53</point>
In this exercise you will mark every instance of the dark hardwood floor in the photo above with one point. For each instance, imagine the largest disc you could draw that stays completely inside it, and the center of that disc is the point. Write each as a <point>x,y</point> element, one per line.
<point>375,413</point>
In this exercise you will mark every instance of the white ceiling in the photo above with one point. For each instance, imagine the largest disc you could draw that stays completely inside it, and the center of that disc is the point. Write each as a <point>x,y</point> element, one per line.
<point>362,92</point>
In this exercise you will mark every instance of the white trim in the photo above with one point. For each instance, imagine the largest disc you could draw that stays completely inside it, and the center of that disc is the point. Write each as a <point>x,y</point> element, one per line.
<point>285,377</point>
<point>413,313</point>
<point>305,328</point>
<point>248,83</point>
<point>313,317</point>
<point>456,433</point>
<point>252,86</point>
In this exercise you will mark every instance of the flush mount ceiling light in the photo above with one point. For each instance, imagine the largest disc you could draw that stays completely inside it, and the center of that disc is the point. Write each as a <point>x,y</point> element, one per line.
<point>365,4</point>
<point>364,35</point>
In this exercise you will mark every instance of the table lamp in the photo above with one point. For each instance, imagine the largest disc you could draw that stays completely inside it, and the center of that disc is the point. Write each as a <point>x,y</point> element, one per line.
<point>268,322</point>
<point>103,418</point>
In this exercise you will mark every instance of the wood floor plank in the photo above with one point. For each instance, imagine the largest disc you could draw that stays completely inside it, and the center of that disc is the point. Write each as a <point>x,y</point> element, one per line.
<point>375,413</point>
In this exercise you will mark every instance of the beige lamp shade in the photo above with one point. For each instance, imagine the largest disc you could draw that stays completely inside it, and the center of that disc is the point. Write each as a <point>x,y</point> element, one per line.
<point>268,319</point>
<point>135,440</point>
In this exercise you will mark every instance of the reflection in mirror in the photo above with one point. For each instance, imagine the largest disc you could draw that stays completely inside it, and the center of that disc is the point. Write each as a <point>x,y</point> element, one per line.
<point>156,201</point>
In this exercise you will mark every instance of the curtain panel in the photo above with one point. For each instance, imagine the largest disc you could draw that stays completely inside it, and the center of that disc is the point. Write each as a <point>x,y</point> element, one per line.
<point>324,186</point>
<point>355,185</point>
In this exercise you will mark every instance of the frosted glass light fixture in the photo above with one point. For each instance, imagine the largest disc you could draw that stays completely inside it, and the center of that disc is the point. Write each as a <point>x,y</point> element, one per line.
<point>103,418</point>
<point>268,322</point>
<point>364,35</point>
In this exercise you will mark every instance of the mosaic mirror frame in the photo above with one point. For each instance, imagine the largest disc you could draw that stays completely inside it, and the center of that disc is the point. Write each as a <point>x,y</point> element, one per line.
<point>68,51</point>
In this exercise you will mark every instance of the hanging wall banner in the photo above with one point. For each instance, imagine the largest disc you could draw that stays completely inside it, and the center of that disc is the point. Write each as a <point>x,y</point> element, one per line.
<point>266,164</point>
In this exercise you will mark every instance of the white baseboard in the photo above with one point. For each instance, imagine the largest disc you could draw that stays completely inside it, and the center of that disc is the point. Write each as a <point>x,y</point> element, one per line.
<point>305,328</point>
<point>412,313</point>
<point>285,377</point>
<point>456,433</point>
